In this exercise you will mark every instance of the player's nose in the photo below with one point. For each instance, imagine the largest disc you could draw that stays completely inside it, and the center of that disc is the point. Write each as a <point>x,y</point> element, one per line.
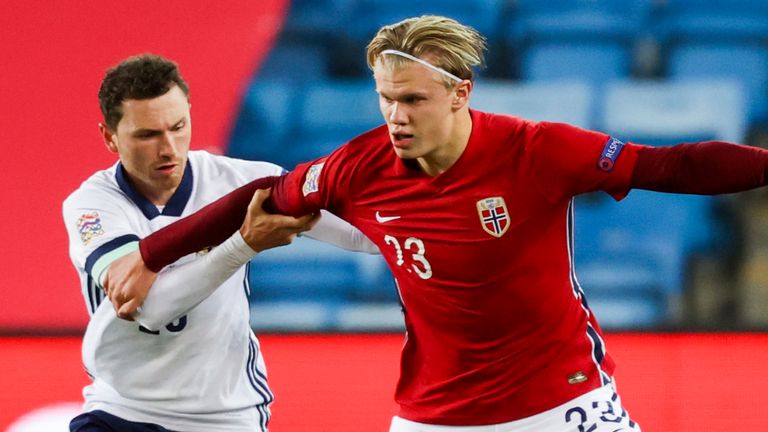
<point>397,114</point>
<point>168,145</point>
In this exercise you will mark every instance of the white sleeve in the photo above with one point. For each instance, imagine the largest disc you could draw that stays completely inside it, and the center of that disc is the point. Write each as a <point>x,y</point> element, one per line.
<point>180,288</point>
<point>333,230</point>
<point>99,231</point>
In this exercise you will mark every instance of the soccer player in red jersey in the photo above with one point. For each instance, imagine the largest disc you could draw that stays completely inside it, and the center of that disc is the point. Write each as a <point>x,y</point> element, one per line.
<point>473,213</point>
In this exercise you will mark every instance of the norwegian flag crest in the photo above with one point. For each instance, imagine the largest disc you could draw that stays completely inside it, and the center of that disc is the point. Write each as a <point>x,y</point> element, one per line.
<point>494,216</point>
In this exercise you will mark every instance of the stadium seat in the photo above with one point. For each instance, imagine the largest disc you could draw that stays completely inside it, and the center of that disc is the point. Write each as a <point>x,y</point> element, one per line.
<point>594,61</point>
<point>566,19</point>
<point>661,113</point>
<point>744,62</point>
<point>624,286</point>
<point>332,113</point>
<point>308,269</point>
<point>629,311</point>
<point>638,249</point>
<point>310,285</point>
<point>311,20</point>
<point>295,61</point>
<point>266,116</point>
<point>370,317</point>
<point>621,270</point>
<point>712,20</point>
<point>293,315</point>
<point>559,101</point>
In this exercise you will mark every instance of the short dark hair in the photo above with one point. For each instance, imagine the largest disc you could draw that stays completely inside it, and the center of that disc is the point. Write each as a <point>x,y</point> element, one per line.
<point>144,76</point>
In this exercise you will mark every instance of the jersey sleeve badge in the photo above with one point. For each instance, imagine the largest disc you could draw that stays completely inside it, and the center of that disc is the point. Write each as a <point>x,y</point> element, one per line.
<point>312,180</point>
<point>494,216</point>
<point>610,154</point>
<point>89,227</point>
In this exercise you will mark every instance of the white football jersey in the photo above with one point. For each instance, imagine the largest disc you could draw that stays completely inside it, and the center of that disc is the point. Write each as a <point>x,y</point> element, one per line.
<point>202,372</point>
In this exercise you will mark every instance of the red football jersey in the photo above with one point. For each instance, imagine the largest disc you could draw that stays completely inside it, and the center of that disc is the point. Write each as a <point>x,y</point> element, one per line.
<point>497,326</point>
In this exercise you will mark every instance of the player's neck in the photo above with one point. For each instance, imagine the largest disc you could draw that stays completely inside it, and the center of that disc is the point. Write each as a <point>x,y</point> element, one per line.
<point>443,158</point>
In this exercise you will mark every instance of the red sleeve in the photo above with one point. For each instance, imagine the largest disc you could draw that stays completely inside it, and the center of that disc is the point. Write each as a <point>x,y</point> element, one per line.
<point>706,168</point>
<point>304,190</point>
<point>324,183</point>
<point>299,191</point>
<point>209,226</point>
<point>564,161</point>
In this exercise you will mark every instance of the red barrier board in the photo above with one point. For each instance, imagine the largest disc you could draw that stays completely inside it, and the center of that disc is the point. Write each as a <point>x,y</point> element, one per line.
<point>344,383</point>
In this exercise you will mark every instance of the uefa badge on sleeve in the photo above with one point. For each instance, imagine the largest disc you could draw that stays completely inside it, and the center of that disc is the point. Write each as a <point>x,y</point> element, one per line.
<point>89,226</point>
<point>312,180</point>
<point>494,216</point>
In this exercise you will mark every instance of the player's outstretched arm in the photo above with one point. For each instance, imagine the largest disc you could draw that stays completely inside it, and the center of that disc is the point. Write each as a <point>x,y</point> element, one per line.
<point>705,168</point>
<point>179,289</point>
<point>207,227</point>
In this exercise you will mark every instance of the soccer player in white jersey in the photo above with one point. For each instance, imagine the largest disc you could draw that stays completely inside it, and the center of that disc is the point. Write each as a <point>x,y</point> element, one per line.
<point>189,361</point>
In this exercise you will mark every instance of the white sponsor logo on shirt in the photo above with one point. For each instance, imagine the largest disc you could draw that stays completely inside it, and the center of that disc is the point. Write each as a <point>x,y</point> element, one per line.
<point>385,219</point>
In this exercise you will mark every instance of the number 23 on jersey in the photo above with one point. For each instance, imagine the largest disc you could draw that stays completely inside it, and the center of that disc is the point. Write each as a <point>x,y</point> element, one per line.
<point>416,260</point>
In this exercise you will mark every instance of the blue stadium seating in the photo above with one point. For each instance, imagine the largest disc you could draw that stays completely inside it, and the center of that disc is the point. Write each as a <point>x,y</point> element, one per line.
<point>317,19</point>
<point>661,113</point>
<point>637,251</point>
<point>332,113</point>
<point>724,20</point>
<point>585,39</point>
<point>566,19</point>
<point>587,60</point>
<point>295,61</point>
<point>266,116</point>
<point>560,101</point>
<point>621,275</point>
<point>311,269</point>
<point>744,62</point>
<point>312,285</point>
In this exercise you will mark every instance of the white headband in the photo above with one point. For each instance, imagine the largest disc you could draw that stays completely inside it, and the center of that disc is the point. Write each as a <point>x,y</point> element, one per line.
<point>427,64</point>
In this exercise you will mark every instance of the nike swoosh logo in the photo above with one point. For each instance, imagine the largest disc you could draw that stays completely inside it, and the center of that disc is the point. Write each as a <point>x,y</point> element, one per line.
<point>385,219</point>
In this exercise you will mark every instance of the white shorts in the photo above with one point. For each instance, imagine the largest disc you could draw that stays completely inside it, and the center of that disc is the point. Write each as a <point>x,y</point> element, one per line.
<point>597,411</point>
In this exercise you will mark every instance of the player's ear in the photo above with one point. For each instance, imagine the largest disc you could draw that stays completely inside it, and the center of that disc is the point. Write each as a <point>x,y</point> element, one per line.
<point>109,137</point>
<point>461,98</point>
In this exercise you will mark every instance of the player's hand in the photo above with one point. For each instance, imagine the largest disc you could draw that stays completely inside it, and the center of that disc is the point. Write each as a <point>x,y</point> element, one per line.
<point>262,230</point>
<point>127,284</point>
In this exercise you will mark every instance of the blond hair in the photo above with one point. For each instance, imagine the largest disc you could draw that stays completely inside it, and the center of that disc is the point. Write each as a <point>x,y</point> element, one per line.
<point>450,45</point>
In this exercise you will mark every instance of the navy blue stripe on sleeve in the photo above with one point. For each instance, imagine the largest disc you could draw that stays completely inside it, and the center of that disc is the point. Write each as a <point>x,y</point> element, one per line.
<point>107,248</point>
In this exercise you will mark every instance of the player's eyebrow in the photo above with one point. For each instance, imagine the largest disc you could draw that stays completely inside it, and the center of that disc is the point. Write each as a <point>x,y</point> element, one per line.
<point>145,132</point>
<point>179,123</point>
<point>404,96</point>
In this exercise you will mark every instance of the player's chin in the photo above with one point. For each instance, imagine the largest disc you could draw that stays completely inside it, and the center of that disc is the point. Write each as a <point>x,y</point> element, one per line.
<point>405,152</point>
<point>167,181</point>
<point>402,154</point>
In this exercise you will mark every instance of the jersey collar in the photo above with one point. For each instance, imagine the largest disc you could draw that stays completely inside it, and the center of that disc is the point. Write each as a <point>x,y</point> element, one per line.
<point>175,205</point>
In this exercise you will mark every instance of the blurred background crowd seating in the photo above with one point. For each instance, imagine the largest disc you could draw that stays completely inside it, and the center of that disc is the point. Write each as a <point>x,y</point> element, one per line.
<point>649,71</point>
